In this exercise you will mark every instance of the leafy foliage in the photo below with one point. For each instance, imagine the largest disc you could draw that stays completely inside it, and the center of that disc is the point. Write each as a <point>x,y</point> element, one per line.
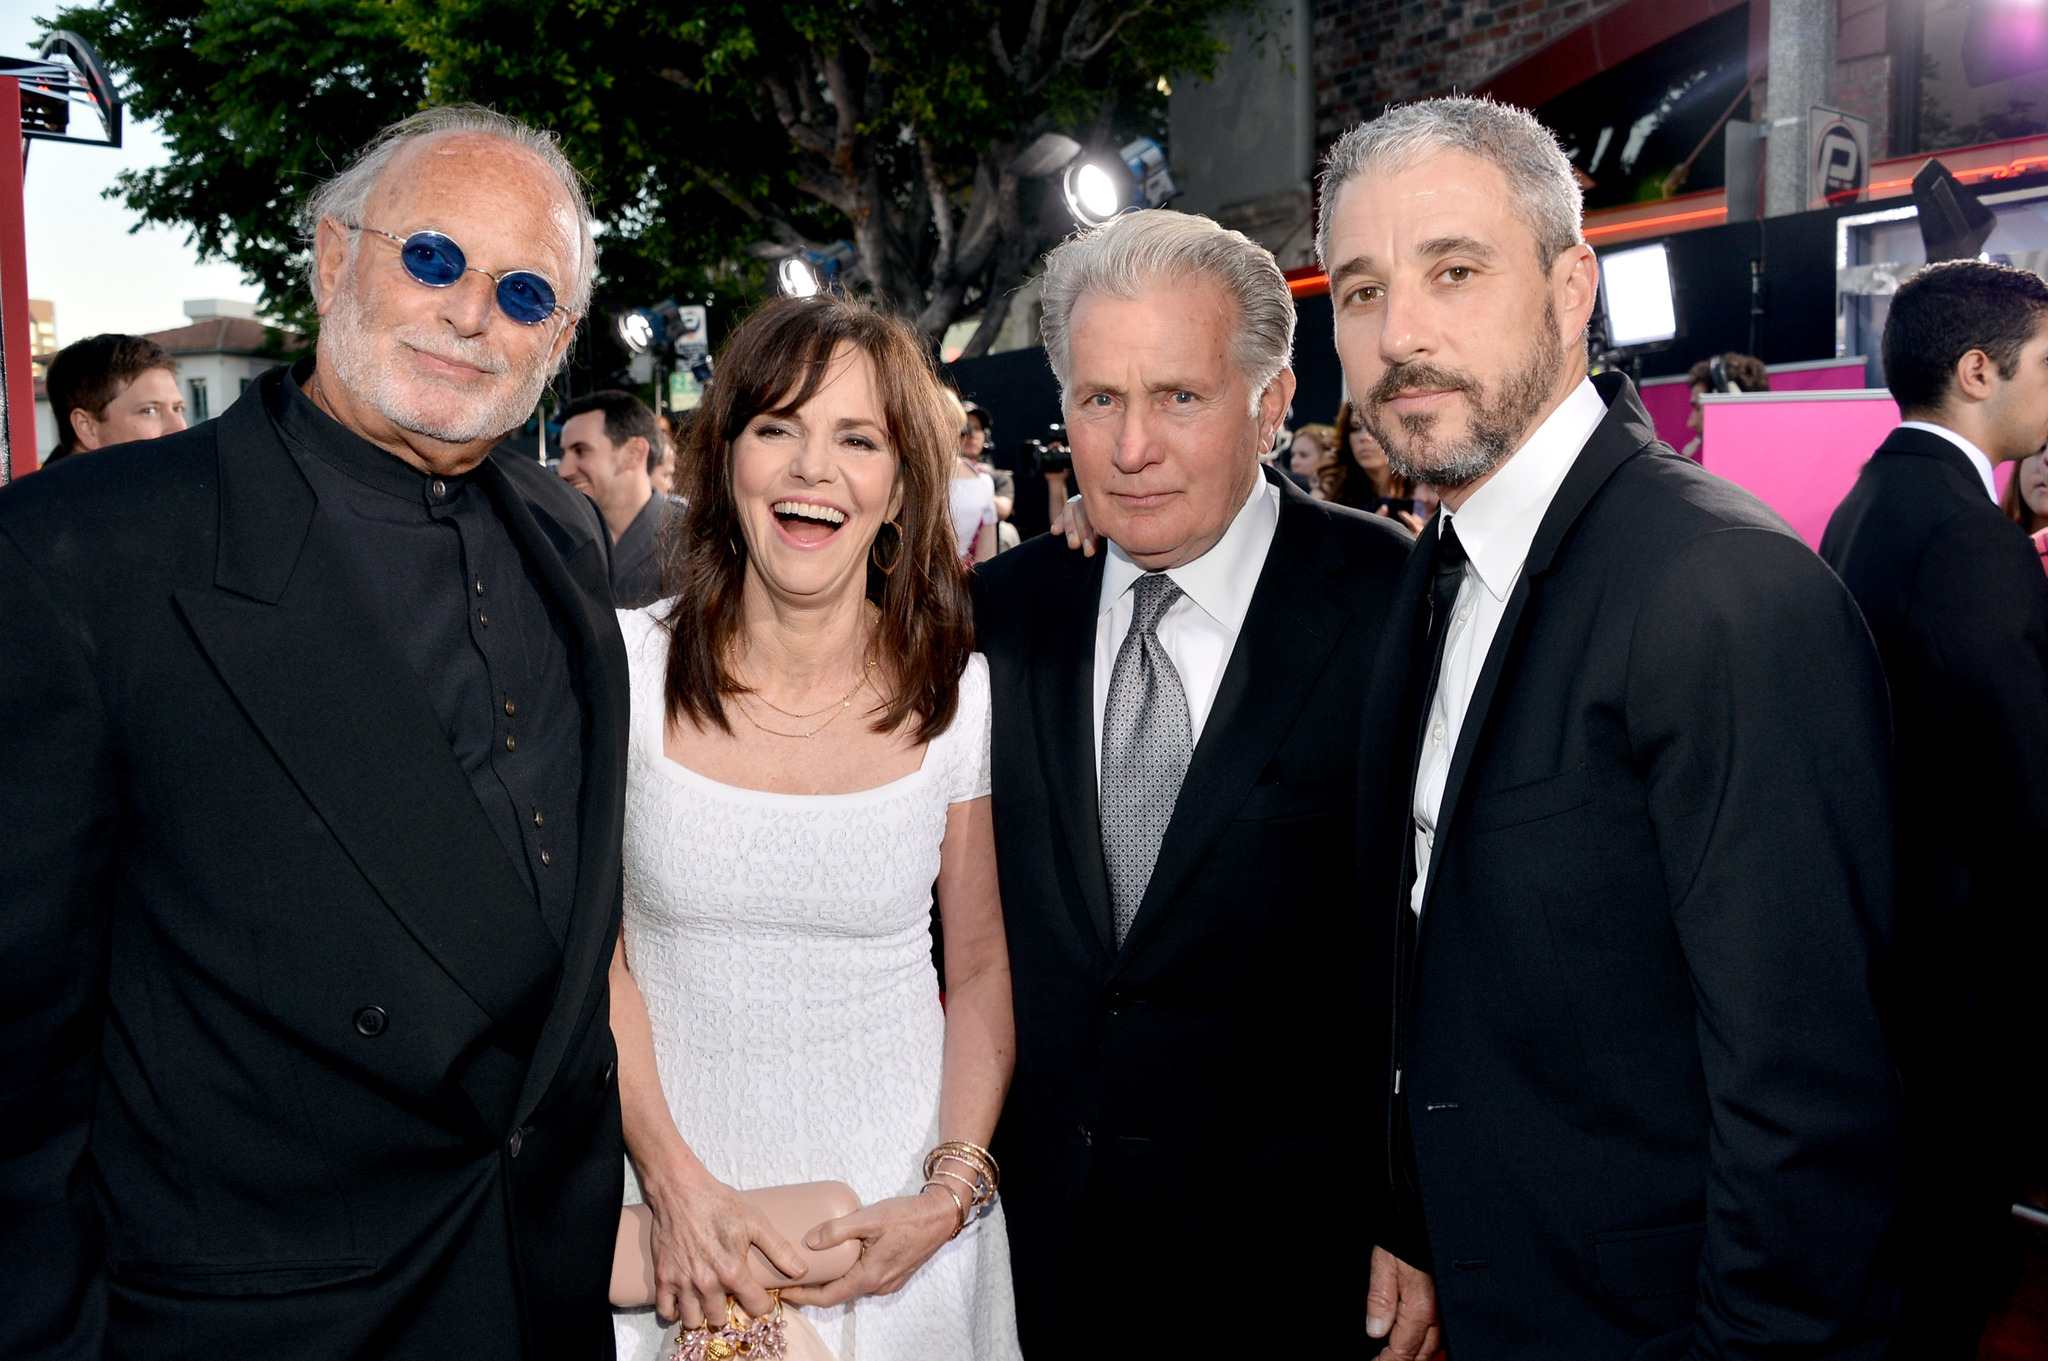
<point>716,133</point>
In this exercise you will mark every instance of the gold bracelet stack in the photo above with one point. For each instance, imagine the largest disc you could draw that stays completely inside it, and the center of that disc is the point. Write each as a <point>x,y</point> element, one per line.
<point>980,1179</point>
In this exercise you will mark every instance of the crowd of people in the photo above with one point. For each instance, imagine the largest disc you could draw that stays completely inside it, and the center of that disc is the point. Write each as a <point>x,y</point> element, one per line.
<point>1510,896</point>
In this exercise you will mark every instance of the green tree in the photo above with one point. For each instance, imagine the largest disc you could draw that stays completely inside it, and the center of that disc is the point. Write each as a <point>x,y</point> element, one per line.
<point>716,133</point>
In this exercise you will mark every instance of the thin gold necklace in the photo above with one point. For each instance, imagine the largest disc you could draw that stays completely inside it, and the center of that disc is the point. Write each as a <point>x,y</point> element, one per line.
<point>838,707</point>
<point>837,710</point>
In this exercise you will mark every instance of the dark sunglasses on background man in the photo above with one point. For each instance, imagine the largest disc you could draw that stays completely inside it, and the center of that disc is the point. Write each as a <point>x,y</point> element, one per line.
<point>436,261</point>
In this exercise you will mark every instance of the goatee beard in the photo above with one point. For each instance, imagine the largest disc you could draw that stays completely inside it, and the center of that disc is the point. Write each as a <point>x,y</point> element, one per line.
<point>1500,419</point>
<point>348,342</point>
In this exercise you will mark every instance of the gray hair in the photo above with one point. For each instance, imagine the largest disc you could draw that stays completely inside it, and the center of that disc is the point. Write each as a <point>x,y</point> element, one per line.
<point>1154,244</point>
<point>345,197</point>
<point>1541,185</point>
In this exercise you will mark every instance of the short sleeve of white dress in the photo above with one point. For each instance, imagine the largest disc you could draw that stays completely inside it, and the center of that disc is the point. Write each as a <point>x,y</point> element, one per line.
<point>966,740</point>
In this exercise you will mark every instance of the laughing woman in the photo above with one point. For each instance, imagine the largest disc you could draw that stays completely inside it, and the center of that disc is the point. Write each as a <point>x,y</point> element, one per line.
<point>809,757</point>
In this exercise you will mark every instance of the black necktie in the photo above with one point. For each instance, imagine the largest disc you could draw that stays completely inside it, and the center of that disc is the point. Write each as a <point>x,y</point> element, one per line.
<point>1447,575</point>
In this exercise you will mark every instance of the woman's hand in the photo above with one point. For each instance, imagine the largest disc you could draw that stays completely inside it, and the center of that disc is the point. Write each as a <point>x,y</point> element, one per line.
<point>702,1230</point>
<point>1072,521</point>
<point>897,1236</point>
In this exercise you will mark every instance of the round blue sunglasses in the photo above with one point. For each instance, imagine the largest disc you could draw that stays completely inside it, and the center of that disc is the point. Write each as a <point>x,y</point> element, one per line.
<point>436,261</point>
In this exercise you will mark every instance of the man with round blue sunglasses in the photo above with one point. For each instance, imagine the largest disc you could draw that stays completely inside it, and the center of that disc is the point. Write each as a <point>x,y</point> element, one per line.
<point>316,754</point>
<point>436,261</point>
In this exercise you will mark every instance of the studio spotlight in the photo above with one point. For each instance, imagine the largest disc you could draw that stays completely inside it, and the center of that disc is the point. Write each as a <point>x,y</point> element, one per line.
<point>796,277</point>
<point>635,330</point>
<point>1098,188</point>
<point>1093,194</point>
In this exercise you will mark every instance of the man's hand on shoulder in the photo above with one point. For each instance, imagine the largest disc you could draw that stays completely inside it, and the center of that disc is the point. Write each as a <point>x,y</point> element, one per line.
<point>1400,1305</point>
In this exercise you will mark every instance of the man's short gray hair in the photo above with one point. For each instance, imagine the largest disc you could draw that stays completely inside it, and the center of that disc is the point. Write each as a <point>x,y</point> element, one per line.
<point>1541,185</point>
<point>345,197</point>
<point>1118,260</point>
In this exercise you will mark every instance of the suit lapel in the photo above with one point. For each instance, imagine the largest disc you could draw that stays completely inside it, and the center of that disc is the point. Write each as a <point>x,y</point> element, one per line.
<point>1288,633</point>
<point>556,556</point>
<point>315,669</point>
<point>1623,433</point>
<point>1063,691</point>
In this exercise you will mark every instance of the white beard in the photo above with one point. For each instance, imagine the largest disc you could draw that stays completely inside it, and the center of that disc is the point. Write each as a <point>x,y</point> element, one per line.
<point>452,417</point>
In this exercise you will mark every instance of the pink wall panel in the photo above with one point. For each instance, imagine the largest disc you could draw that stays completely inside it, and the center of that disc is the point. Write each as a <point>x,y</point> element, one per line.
<point>1799,456</point>
<point>1670,403</point>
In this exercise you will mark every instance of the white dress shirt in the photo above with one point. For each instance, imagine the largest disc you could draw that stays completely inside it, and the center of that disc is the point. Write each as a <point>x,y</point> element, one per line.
<point>1496,525</point>
<point>1978,459</point>
<point>1200,629</point>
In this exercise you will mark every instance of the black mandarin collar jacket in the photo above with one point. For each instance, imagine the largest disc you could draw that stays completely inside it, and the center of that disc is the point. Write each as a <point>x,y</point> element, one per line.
<point>290,1065</point>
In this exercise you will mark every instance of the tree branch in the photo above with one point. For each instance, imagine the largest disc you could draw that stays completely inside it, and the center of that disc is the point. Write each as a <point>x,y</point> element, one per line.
<point>942,210</point>
<point>778,226</point>
<point>1081,56</point>
<point>800,132</point>
<point>1034,39</point>
<point>995,45</point>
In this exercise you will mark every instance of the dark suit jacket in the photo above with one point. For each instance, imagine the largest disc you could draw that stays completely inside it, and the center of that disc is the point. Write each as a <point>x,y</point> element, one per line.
<point>1211,1077</point>
<point>1956,598</point>
<point>637,557</point>
<point>1653,1113</point>
<point>234,826</point>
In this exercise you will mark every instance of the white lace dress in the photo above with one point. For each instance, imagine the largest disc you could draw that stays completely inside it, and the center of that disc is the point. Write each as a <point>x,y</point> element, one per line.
<point>783,944</point>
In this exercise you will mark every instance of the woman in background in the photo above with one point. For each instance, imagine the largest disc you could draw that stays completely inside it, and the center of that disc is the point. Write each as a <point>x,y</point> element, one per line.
<point>971,493</point>
<point>1310,449</point>
<point>1357,474</point>
<point>2026,496</point>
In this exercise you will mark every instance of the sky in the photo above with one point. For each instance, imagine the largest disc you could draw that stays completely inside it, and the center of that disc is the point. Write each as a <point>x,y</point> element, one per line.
<point>81,255</point>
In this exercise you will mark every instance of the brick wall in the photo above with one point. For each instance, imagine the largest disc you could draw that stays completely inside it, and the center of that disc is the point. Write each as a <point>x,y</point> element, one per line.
<point>1367,52</point>
<point>1864,87</point>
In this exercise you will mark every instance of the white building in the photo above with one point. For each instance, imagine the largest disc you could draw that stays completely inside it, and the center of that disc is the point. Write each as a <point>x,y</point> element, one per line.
<point>222,353</point>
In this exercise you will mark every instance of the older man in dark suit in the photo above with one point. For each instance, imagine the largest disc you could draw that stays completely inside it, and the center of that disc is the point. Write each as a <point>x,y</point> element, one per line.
<point>1175,784</point>
<point>315,764</point>
<point>1955,595</point>
<point>1639,871</point>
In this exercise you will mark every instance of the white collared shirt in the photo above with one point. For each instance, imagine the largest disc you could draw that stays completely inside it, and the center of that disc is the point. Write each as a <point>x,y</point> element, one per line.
<point>1496,525</point>
<point>1978,459</point>
<point>1200,629</point>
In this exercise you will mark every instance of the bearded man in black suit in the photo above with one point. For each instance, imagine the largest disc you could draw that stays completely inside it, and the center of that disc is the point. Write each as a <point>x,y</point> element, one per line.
<point>1956,598</point>
<point>1634,809</point>
<point>315,763</point>
<point>1175,785</point>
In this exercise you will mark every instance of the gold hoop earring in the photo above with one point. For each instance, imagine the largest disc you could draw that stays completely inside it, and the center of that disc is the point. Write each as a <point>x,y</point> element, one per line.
<point>895,561</point>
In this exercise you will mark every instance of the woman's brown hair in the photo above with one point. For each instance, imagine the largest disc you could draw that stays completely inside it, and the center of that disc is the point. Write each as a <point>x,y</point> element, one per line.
<point>1344,481</point>
<point>2014,504</point>
<point>775,362</point>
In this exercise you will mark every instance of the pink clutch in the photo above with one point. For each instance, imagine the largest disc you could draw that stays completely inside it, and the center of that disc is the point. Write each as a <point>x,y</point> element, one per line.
<point>793,1210</point>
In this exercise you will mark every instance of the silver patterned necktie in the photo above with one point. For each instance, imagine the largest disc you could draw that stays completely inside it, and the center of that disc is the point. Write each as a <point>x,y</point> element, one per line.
<point>1147,738</point>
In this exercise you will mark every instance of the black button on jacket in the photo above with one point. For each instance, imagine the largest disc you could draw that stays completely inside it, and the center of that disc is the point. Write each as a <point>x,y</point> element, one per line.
<point>439,563</point>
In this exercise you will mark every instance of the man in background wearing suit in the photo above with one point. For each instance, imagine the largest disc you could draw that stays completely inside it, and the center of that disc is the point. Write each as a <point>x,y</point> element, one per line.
<point>1639,872</point>
<point>611,445</point>
<point>1175,784</point>
<point>1956,598</point>
<point>315,760</point>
